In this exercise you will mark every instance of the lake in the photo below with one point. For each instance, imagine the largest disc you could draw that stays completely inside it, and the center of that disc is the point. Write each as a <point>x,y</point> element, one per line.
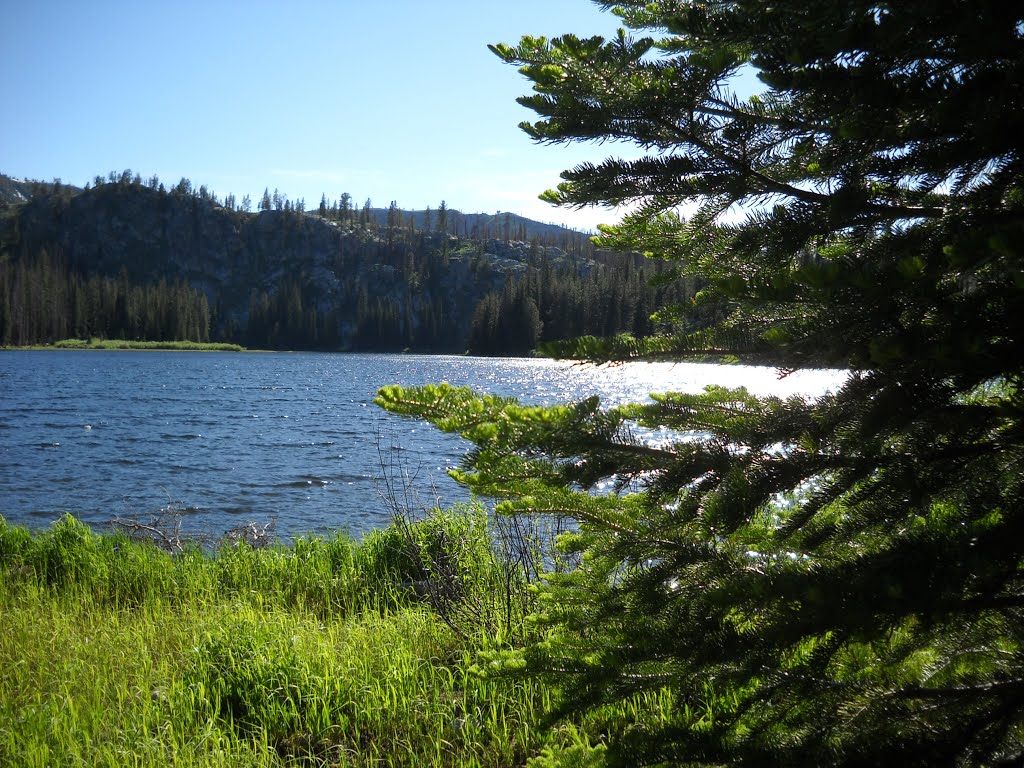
<point>233,438</point>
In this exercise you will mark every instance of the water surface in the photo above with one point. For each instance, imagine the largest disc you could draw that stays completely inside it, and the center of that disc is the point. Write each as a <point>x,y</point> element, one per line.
<point>233,438</point>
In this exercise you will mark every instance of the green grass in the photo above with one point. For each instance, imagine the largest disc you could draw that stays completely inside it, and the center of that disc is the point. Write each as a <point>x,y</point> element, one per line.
<point>123,344</point>
<point>113,653</point>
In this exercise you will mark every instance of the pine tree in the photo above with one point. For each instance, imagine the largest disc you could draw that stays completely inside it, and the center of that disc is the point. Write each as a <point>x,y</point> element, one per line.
<point>394,221</point>
<point>345,208</point>
<point>442,217</point>
<point>830,581</point>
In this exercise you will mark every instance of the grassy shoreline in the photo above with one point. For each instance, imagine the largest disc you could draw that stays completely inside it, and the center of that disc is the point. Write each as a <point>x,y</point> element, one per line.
<point>135,346</point>
<point>114,651</point>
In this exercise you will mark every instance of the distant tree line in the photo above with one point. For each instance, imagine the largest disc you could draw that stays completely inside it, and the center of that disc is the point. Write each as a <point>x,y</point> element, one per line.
<point>411,307</point>
<point>41,301</point>
<point>551,304</point>
<point>283,319</point>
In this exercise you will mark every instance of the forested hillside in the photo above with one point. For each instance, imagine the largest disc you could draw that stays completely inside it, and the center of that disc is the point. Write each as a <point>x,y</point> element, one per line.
<point>129,258</point>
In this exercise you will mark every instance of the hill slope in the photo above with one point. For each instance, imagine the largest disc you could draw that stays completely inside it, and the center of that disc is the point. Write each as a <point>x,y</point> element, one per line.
<point>355,279</point>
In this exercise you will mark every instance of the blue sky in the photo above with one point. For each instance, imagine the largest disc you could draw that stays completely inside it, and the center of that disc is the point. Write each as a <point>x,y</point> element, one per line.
<point>383,99</point>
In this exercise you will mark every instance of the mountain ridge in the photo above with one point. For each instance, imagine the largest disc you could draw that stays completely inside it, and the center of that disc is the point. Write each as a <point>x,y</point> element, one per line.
<point>283,277</point>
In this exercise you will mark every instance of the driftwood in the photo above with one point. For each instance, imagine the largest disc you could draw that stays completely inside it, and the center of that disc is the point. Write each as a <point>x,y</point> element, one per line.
<point>164,530</point>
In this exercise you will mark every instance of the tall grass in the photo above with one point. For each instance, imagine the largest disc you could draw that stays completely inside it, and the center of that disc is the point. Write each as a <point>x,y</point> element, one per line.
<point>113,652</point>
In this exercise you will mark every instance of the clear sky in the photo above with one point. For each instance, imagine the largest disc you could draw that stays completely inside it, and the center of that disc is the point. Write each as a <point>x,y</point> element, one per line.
<point>383,99</point>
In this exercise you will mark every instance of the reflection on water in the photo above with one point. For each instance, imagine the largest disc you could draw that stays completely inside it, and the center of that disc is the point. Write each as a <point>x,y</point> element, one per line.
<point>293,437</point>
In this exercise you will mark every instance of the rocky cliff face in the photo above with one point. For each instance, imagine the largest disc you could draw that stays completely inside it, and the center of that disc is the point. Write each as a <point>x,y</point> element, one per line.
<point>339,278</point>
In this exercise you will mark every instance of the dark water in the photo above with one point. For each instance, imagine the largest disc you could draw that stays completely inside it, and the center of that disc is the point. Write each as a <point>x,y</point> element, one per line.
<point>237,438</point>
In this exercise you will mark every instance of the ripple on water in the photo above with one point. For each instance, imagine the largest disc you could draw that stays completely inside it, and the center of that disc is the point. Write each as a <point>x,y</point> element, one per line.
<point>304,482</point>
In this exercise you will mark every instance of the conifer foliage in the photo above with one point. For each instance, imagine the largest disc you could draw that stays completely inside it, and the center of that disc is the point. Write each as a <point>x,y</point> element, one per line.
<point>835,581</point>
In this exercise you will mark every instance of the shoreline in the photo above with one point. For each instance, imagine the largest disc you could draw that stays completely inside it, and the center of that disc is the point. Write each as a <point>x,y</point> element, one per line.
<point>106,345</point>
